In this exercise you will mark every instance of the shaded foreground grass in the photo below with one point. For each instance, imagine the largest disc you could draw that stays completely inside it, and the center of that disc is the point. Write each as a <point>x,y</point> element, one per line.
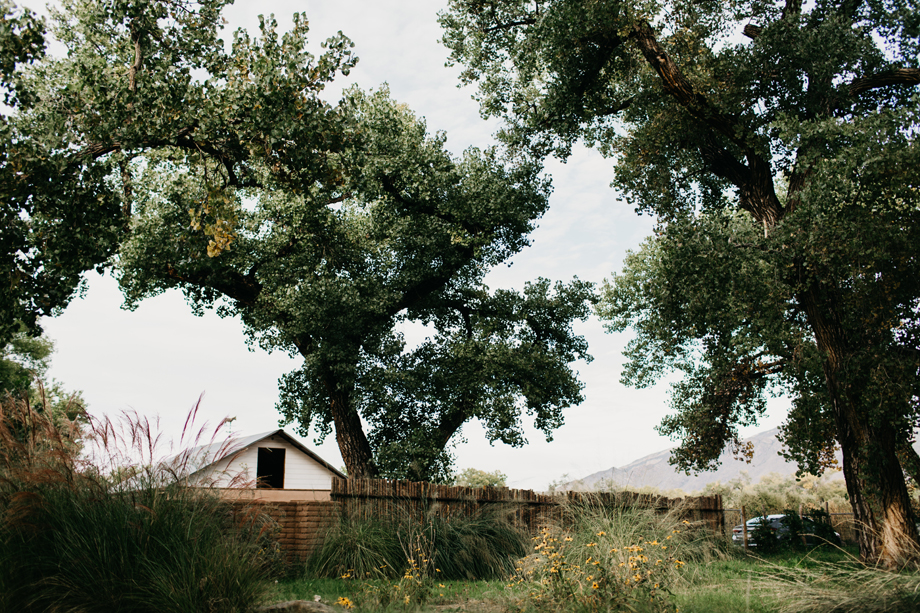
<point>734,584</point>
<point>78,537</point>
<point>618,554</point>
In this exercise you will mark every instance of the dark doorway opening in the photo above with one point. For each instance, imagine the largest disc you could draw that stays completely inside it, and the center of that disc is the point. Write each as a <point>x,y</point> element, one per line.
<point>270,468</point>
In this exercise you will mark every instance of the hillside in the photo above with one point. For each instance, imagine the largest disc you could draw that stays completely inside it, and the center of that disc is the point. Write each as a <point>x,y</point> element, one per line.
<point>654,471</point>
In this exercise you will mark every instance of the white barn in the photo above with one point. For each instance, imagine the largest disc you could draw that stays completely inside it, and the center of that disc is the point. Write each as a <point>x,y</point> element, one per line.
<point>271,466</point>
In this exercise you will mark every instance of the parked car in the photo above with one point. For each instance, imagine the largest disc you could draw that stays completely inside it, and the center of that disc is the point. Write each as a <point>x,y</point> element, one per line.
<point>778,524</point>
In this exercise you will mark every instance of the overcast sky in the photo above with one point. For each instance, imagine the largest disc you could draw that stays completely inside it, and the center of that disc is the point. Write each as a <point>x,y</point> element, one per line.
<point>158,359</point>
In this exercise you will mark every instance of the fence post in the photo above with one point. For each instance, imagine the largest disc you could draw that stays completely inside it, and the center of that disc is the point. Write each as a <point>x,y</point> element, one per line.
<point>801,515</point>
<point>744,526</point>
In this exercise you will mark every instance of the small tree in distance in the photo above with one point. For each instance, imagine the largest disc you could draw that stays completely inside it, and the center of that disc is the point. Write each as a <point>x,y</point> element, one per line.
<point>473,477</point>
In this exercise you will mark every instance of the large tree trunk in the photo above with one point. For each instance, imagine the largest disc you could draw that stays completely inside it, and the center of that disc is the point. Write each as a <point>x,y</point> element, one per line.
<point>909,460</point>
<point>874,478</point>
<point>349,434</point>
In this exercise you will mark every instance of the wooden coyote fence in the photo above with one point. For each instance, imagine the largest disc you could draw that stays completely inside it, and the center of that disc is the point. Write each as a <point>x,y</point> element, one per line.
<point>407,500</point>
<point>301,526</point>
<point>414,501</point>
<point>703,509</point>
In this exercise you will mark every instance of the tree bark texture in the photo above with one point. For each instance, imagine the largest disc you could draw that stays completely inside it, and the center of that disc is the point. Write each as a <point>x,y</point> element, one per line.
<point>349,434</point>
<point>873,473</point>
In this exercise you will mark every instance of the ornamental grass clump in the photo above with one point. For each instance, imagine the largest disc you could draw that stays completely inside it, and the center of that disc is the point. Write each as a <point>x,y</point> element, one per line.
<point>484,545</point>
<point>620,557</point>
<point>850,587</point>
<point>96,533</point>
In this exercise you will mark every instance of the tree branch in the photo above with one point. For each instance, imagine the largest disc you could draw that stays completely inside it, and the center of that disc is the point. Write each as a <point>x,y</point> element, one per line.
<point>901,76</point>
<point>616,108</point>
<point>752,31</point>
<point>182,140</point>
<point>678,87</point>
<point>138,60</point>
<point>755,180</point>
<point>242,288</point>
<point>509,25</point>
<point>390,187</point>
<point>793,7</point>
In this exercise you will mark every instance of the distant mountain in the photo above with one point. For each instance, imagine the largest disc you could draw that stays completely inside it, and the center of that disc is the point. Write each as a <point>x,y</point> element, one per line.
<point>654,471</point>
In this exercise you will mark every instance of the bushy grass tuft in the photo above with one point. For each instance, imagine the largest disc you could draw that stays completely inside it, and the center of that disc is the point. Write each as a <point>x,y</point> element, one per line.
<point>76,538</point>
<point>620,556</point>
<point>358,548</point>
<point>482,546</point>
<point>633,520</point>
<point>842,588</point>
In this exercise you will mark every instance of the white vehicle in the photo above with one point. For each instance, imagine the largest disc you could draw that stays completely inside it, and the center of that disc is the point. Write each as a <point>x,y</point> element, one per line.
<point>778,525</point>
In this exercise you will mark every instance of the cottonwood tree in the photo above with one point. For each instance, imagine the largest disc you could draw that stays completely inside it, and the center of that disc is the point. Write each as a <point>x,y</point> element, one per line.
<point>473,477</point>
<point>776,143</point>
<point>323,227</point>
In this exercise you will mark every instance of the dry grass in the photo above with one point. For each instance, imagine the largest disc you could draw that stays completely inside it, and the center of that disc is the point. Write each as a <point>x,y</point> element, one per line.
<point>842,587</point>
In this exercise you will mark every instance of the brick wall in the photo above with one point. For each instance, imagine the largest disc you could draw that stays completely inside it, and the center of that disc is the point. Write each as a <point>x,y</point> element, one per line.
<point>301,525</point>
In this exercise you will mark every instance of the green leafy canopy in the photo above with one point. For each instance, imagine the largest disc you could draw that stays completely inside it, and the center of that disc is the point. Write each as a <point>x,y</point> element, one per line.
<point>776,142</point>
<point>322,226</point>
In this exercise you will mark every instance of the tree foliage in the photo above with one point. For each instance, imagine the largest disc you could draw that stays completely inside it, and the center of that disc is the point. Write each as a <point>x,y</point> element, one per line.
<point>776,144</point>
<point>323,226</point>
<point>473,477</point>
<point>24,363</point>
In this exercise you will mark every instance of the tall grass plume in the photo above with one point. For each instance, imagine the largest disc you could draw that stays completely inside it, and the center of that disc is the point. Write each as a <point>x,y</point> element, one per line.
<point>848,587</point>
<point>117,528</point>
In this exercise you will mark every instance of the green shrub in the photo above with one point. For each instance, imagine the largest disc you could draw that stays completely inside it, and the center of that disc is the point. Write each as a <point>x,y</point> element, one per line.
<point>482,546</point>
<point>620,556</point>
<point>764,536</point>
<point>73,539</point>
<point>359,548</point>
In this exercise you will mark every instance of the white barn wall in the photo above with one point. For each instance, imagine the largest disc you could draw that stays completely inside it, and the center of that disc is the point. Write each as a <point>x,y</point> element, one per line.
<point>301,472</point>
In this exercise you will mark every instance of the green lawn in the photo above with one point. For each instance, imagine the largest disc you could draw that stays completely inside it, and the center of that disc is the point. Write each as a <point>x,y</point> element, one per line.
<point>729,586</point>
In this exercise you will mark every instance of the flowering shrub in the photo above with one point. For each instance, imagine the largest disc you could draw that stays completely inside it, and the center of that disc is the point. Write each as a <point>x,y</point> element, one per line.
<point>597,575</point>
<point>412,590</point>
